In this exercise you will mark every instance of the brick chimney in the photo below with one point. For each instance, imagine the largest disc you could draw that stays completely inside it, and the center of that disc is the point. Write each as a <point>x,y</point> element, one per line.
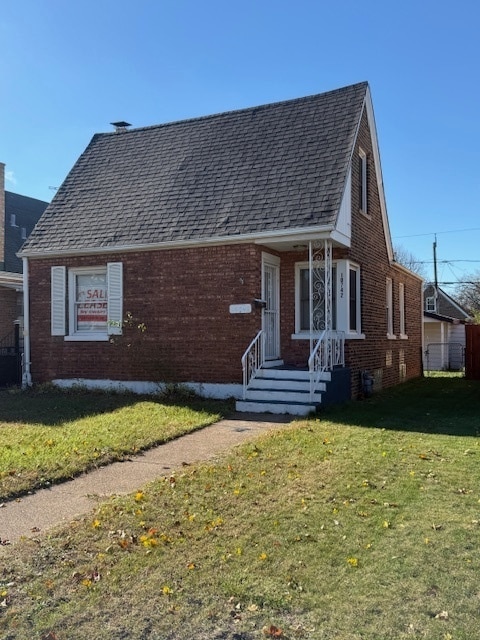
<point>2,216</point>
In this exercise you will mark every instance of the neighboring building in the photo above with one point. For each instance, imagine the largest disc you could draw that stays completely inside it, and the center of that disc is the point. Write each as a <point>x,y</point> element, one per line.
<point>18,216</point>
<point>444,330</point>
<point>265,227</point>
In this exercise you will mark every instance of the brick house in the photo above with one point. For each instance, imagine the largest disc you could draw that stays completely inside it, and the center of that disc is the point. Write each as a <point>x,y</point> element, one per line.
<point>253,245</point>
<point>18,216</point>
<point>444,322</point>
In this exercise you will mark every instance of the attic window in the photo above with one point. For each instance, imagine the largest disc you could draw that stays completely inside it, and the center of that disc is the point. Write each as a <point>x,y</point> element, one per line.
<point>430,304</point>
<point>363,185</point>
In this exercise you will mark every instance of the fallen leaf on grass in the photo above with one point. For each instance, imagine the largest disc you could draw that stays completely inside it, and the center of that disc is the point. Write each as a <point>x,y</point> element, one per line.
<point>272,631</point>
<point>442,615</point>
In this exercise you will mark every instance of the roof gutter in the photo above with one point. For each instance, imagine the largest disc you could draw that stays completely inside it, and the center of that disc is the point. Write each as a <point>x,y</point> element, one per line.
<point>289,235</point>
<point>11,280</point>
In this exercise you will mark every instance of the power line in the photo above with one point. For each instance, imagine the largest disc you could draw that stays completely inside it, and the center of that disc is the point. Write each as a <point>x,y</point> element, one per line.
<point>432,233</point>
<point>441,261</point>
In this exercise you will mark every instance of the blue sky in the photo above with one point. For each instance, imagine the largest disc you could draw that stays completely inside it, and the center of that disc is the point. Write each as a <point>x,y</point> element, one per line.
<point>68,69</point>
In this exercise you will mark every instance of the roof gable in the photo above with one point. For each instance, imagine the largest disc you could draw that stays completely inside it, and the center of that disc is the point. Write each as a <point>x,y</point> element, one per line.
<point>273,168</point>
<point>446,305</point>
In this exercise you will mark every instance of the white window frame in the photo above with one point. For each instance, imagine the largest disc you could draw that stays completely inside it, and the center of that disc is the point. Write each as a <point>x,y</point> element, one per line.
<point>73,332</point>
<point>430,304</point>
<point>63,299</point>
<point>357,332</point>
<point>363,177</point>
<point>401,310</point>
<point>389,308</point>
<point>343,268</point>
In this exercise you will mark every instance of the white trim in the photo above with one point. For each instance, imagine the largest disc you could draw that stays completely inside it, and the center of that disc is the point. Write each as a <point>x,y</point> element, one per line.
<point>353,266</point>
<point>272,261</point>
<point>378,171</point>
<point>316,336</point>
<point>204,389</point>
<point>401,310</point>
<point>11,280</point>
<point>289,235</point>
<point>87,337</point>
<point>73,334</point>
<point>344,219</point>
<point>269,258</point>
<point>114,298</point>
<point>58,291</point>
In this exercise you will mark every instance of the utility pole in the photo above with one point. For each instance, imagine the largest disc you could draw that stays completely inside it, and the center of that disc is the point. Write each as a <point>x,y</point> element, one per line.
<point>435,275</point>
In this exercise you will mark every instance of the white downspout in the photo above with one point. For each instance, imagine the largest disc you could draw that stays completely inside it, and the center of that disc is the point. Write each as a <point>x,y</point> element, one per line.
<point>26,376</point>
<point>310,293</point>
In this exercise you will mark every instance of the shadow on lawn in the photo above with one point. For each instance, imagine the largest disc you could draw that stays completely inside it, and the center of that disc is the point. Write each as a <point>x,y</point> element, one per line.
<point>449,406</point>
<point>55,407</point>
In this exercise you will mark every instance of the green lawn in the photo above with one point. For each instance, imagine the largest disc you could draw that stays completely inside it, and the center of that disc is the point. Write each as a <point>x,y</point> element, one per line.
<point>50,435</point>
<point>362,523</point>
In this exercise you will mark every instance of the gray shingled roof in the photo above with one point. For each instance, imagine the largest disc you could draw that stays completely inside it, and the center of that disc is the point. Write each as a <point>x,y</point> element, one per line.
<point>272,168</point>
<point>27,212</point>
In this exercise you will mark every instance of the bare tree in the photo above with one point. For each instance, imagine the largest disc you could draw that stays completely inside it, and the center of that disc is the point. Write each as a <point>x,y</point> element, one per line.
<point>408,260</point>
<point>467,293</point>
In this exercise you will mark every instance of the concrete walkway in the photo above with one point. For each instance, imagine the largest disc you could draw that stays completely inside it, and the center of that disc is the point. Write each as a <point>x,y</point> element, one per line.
<point>34,514</point>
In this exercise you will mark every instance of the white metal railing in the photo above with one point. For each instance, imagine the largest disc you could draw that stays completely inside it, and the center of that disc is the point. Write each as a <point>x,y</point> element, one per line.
<point>329,352</point>
<point>253,359</point>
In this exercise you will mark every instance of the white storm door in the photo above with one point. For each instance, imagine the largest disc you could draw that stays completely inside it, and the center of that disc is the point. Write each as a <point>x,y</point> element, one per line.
<point>271,311</point>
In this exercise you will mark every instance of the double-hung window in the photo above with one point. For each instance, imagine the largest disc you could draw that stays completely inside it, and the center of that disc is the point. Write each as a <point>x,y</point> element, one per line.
<point>401,309</point>
<point>389,308</point>
<point>430,304</point>
<point>87,302</point>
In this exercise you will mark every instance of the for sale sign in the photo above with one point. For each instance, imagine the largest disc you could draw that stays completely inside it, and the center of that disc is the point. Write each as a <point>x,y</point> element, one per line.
<point>91,302</point>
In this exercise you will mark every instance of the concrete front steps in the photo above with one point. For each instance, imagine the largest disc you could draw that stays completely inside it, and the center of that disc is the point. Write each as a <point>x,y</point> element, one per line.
<point>281,389</point>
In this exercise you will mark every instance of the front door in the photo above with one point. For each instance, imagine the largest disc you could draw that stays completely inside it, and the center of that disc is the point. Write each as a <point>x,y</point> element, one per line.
<point>271,311</point>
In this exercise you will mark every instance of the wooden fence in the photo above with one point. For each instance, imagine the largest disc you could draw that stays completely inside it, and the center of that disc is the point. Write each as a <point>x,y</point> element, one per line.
<point>472,351</point>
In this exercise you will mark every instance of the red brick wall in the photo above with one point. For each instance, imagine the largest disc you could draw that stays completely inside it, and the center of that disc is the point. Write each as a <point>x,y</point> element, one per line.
<point>369,251</point>
<point>183,298</point>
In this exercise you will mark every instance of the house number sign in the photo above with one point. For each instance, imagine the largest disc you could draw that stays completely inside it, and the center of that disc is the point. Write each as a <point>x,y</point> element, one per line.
<point>240,308</point>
